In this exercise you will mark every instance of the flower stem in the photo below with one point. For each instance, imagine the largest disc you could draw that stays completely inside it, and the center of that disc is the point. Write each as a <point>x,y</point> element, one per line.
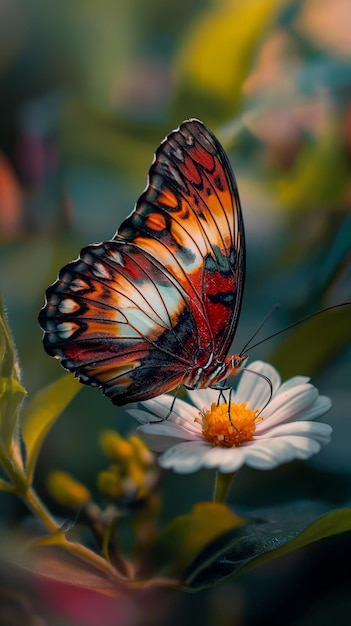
<point>79,550</point>
<point>223,482</point>
<point>121,581</point>
<point>40,511</point>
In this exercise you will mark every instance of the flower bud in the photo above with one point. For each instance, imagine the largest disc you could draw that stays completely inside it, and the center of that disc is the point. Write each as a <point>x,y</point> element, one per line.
<point>110,483</point>
<point>67,491</point>
<point>114,446</point>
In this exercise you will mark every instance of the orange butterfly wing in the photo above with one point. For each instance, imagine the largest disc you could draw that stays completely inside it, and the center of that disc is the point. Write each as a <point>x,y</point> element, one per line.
<point>136,314</point>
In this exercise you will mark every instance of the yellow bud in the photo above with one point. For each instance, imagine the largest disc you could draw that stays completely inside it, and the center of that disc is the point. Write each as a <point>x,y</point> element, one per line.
<point>66,490</point>
<point>114,446</point>
<point>109,482</point>
<point>141,451</point>
<point>136,474</point>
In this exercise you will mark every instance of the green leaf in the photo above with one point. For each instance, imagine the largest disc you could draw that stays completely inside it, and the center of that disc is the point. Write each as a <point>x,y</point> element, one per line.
<point>56,563</point>
<point>11,391</point>
<point>11,396</point>
<point>306,186</point>
<point>93,135</point>
<point>186,536</point>
<point>218,51</point>
<point>41,412</point>
<point>274,532</point>
<point>7,347</point>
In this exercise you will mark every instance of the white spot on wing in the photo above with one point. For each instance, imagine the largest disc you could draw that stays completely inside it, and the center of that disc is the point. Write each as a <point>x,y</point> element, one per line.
<point>77,284</point>
<point>175,175</point>
<point>179,154</point>
<point>66,329</point>
<point>100,271</point>
<point>68,306</point>
<point>116,257</point>
<point>146,310</point>
<point>190,140</point>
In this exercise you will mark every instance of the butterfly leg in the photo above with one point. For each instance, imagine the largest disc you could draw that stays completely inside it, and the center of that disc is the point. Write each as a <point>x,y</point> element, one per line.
<point>221,389</point>
<point>229,403</point>
<point>164,419</point>
<point>221,397</point>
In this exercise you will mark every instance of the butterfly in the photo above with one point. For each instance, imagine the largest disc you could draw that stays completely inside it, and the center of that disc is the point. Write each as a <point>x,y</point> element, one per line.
<point>157,306</point>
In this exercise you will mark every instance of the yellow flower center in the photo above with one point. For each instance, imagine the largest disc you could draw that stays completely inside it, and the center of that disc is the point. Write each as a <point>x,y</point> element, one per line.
<point>228,425</point>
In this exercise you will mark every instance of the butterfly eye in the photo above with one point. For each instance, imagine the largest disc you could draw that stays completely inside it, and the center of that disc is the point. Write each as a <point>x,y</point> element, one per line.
<point>237,361</point>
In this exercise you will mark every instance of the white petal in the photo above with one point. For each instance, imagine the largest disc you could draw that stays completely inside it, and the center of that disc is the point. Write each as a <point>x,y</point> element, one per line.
<point>286,432</point>
<point>303,447</point>
<point>315,430</point>
<point>320,406</point>
<point>202,398</point>
<point>169,429</point>
<point>225,459</point>
<point>143,417</point>
<point>190,457</point>
<point>284,406</point>
<point>263,456</point>
<point>184,457</point>
<point>293,382</point>
<point>272,452</point>
<point>182,413</point>
<point>158,443</point>
<point>255,389</point>
<point>160,405</point>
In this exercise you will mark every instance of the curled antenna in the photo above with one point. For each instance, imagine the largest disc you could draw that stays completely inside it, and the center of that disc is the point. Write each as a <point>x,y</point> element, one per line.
<point>268,380</point>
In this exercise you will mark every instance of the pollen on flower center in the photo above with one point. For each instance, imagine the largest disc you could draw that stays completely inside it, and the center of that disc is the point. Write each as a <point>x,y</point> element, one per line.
<point>228,425</point>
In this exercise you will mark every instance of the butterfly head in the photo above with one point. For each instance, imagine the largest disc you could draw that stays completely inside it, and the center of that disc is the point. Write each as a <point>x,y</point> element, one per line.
<point>235,364</point>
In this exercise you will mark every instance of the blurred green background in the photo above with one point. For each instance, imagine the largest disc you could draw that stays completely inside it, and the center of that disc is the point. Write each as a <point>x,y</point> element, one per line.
<point>87,92</point>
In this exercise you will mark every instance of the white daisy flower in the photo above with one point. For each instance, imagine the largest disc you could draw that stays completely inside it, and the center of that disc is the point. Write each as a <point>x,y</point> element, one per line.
<point>225,437</point>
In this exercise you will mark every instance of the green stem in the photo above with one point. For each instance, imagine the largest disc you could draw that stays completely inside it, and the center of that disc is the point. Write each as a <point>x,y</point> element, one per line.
<point>40,511</point>
<point>120,581</point>
<point>13,468</point>
<point>223,482</point>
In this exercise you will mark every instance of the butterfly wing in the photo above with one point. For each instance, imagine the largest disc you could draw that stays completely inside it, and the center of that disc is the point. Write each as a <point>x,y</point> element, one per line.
<point>118,321</point>
<point>189,216</point>
<point>134,314</point>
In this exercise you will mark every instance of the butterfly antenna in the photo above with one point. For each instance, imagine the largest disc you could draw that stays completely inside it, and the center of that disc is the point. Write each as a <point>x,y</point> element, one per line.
<point>268,381</point>
<point>303,319</point>
<point>230,389</point>
<point>265,319</point>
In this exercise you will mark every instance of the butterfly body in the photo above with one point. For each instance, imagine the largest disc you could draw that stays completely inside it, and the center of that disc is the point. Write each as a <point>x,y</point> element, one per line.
<point>214,373</point>
<point>157,306</point>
